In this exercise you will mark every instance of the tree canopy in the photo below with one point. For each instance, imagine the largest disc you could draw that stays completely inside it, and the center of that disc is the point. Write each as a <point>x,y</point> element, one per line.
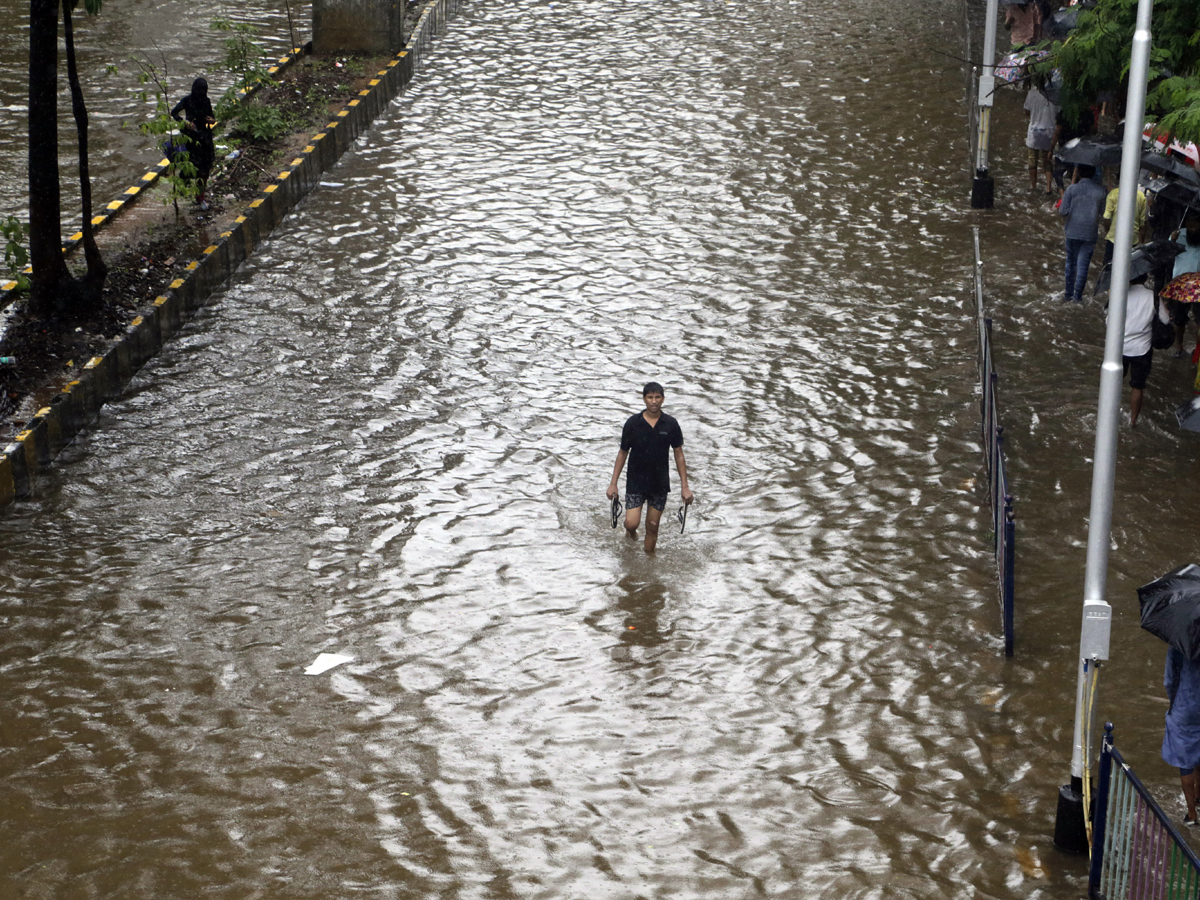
<point>1094,62</point>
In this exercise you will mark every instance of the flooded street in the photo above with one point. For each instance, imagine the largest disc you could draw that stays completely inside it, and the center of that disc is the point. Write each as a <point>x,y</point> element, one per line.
<point>390,438</point>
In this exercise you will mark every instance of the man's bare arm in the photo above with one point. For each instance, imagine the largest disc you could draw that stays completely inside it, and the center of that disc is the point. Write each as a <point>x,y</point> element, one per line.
<point>681,465</point>
<point>620,464</point>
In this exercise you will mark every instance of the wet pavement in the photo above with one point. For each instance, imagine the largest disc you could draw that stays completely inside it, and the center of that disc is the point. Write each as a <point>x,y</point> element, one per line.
<point>390,438</point>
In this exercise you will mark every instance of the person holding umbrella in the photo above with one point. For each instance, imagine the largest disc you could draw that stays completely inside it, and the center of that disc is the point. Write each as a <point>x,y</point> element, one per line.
<point>1080,206</point>
<point>1182,296</point>
<point>1181,736</point>
<point>1169,608</point>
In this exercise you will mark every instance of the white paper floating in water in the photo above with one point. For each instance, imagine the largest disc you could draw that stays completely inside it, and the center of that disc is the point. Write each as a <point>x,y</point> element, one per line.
<point>326,661</point>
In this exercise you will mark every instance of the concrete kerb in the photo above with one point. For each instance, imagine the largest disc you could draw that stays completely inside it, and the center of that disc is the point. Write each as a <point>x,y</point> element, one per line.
<point>133,193</point>
<point>105,377</point>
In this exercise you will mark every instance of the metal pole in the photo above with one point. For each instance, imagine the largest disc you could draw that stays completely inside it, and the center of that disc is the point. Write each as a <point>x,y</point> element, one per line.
<point>983,187</point>
<point>1097,614</point>
<point>1100,823</point>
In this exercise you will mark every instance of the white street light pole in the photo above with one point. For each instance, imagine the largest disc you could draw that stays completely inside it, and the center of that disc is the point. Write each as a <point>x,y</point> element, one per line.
<point>1069,833</point>
<point>983,187</point>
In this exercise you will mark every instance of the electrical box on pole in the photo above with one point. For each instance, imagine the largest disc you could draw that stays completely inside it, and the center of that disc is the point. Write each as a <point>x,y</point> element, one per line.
<point>1097,627</point>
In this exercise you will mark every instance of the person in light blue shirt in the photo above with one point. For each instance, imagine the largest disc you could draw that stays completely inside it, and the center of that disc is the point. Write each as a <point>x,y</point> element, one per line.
<point>1081,206</point>
<point>1181,738</point>
<point>1187,261</point>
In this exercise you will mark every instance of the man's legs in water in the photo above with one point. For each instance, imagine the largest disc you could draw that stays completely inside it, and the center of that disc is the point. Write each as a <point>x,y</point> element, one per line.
<point>652,517</point>
<point>633,518</point>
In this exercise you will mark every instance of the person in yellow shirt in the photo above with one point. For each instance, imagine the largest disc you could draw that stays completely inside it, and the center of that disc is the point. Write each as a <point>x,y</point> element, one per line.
<point>1109,222</point>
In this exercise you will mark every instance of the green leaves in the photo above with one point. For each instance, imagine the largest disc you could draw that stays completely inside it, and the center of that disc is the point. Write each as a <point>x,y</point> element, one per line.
<point>244,59</point>
<point>263,123</point>
<point>16,258</point>
<point>1094,62</point>
<point>243,54</point>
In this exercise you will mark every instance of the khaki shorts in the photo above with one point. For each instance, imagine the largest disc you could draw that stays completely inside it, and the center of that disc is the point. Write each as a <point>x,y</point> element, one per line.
<point>1035,155</point>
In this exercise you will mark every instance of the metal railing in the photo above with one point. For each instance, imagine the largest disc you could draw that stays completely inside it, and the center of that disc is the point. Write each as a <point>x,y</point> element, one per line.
<point>1137,854</point>
<point>1003,526</point>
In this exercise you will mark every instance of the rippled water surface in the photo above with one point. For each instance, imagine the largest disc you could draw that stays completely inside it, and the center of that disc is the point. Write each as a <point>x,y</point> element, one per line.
<point>391,438</point>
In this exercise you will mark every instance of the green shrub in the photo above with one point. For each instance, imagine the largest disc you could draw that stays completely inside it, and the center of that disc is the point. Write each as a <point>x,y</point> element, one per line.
<point>263,123</point>
<point>16,258</point>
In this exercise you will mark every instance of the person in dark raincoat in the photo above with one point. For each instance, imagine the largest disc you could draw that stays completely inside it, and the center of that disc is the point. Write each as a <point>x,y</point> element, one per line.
<point>1181,739</point>
<point>196,111</point>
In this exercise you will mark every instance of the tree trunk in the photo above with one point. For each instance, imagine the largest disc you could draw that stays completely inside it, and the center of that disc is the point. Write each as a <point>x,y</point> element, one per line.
<point>96,269</point>
<point>51,281</point>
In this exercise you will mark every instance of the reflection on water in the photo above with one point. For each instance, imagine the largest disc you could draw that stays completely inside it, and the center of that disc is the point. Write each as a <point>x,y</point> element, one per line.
<point>641,606</point>
<point>391,439</point>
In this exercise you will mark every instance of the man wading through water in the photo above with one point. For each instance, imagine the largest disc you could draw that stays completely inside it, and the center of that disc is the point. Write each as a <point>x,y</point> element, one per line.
<point>645,440</point>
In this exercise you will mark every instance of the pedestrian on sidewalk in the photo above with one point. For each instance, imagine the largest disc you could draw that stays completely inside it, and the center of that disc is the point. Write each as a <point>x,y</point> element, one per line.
<point>1187,261</point>
<point>196,112</point>
<point>1108,224</point>
<point>1136,353</point>
<point>1080,207</point>
<point>1024,23</point>
<point>1181,736</point>
<point>1039,135</point>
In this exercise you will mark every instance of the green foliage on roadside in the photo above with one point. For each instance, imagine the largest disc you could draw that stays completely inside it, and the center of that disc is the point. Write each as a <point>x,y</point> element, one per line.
<point>243,54</point>
<point>1094,59</point>
<point>263,123</point>
<point>244,59</point>
<point>16,257</point>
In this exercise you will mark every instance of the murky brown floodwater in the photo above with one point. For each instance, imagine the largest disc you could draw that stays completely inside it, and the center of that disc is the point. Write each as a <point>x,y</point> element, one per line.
<point>178,34</point>
<point>391,437</point>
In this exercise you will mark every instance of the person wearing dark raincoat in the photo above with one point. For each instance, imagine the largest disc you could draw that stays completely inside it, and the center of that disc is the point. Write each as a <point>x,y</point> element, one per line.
<point>196,111</point>
<point>1181,738</point>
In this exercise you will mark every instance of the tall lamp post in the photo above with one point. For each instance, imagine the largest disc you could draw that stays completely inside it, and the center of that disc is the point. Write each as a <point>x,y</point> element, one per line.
<point>1069,830</point>
<point>983,188</point>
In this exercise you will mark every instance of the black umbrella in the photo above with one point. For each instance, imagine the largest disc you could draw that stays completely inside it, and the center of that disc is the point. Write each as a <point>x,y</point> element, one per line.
<point>1188,414</point>
<point>1097,150</point>
<point>1062,23</point>
<point>1145,259</point>
<point>1171,167</point>
<point>1171,609</point>
<point>1180,192</point>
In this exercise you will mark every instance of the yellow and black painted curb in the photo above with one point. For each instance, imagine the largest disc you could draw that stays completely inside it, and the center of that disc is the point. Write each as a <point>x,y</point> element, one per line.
<point>134,192</point>
<point>104,377</point>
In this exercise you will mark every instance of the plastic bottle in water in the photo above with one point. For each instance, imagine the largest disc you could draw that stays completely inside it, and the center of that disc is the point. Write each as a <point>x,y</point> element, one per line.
<point>8,360</point>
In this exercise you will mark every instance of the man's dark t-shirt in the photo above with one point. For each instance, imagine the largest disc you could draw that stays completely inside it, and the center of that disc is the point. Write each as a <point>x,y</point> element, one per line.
<point>649,447</point>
